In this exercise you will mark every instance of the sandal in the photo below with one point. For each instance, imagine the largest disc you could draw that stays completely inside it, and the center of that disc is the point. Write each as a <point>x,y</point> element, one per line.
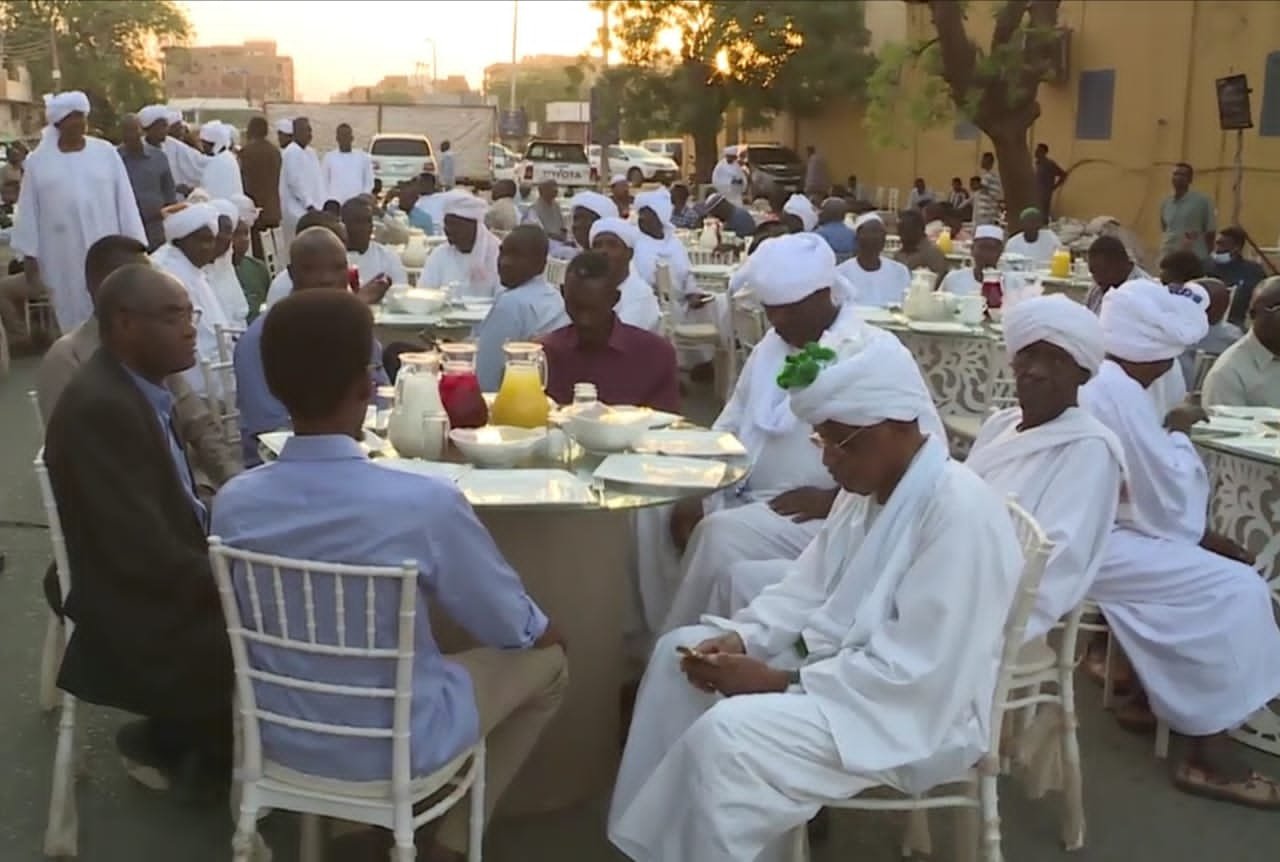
<point>1095,667</point>
<point>1136,717</point>
<point>1254,791</point>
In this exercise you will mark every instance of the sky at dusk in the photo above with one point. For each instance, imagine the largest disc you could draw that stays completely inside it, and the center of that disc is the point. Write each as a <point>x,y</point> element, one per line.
<point>336,45</point>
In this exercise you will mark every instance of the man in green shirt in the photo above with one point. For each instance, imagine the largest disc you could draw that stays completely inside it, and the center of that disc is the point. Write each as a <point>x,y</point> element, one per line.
<point>1186,216</point>
<point>254,276</point>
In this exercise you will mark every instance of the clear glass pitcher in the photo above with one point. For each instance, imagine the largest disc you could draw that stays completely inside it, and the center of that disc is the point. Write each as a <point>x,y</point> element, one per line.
<point>460,387</point>
<point>522,399</point>
<point>417,396</point>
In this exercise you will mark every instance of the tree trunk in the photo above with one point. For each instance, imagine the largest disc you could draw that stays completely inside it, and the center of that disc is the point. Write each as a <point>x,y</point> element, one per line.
<point>705,154</point>
<point>1013,159</point>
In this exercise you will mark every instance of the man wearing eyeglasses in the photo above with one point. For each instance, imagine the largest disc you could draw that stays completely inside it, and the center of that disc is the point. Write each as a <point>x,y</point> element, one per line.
<point>1247,374</point>
<point>149,636</point>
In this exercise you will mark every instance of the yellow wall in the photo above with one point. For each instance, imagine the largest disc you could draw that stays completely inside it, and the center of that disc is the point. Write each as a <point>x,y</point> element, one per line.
<point>1166,56</point>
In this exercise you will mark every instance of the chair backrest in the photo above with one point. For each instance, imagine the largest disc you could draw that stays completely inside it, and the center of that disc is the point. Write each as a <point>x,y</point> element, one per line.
<point>1001,390</point>
<point>662,283</point>
<point>227,337</point>
<point>34,398</point>
<point>555,271</point>
<point>1036,548</point>
<point>61,564</point>
<point>270,607</point>
<point>220,379</point>
<point>1204,362</point>
<point>701,257</point>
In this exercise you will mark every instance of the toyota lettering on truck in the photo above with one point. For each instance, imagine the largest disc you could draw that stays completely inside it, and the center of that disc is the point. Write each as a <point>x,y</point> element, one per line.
<point>562,161</point>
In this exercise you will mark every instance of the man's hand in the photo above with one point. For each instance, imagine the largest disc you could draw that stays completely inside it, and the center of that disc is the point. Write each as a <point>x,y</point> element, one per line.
<point>1182,417</point>
<point>804,504</point>
<point>550,637</point>
<point>731,674</point>
<point>1225,547</point>
<point>686,516</point>
<point>374,289</point>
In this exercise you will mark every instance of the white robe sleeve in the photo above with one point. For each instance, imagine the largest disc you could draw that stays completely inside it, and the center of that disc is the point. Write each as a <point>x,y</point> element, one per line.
<point>730,418</point>
<point>366,181</point>
<point>395,269</point>
<point>221,178</point>
<point>25,238</point>
<point>127,215</point>
<point>436,270</point>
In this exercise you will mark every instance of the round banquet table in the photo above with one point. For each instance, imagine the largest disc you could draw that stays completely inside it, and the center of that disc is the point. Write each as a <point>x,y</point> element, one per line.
<point>575,562</point>
<point>1244,505</point>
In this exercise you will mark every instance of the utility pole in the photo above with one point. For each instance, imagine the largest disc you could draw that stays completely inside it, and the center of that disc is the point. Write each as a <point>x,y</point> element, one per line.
<point>604,66</point>
<point>515,20</point>
<point>53,53</point>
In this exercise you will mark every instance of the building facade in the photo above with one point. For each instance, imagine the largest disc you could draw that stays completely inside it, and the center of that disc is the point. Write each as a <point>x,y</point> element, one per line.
<point>20,117</point>
<point>252,71</point>
<point>1138,96</point>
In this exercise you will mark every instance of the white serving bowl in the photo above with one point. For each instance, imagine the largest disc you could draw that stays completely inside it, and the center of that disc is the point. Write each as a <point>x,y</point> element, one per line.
<point>607,429</point>
<point>420,301</point>
<point>497,445</point>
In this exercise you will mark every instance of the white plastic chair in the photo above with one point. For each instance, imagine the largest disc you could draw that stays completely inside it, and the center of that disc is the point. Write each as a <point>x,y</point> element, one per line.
<point>1095,622</point>
<point>260,584</point>
<point>1204,363</point>
<point>555,271</point>
<point>981,793</point>
<point>220,377</point>
<point>61,837</point>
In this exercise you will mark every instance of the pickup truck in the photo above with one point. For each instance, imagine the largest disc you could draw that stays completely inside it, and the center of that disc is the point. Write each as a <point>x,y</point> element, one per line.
<point>562,161</point>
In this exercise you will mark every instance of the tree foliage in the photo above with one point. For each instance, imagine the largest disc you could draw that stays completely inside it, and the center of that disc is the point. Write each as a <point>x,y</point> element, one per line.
<point>994,86</point>
<point>537,86</point>
<point>690,61</point>
<point>108,50</point>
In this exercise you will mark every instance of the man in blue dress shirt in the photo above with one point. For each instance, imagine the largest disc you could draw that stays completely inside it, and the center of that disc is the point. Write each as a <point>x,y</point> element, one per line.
<point>317,259</point>
<point>324,500</point>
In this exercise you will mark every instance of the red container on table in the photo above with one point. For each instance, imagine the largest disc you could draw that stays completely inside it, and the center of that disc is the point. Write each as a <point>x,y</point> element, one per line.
<point>463,401</point>
<point>992,288</point>
<point>353,279</point>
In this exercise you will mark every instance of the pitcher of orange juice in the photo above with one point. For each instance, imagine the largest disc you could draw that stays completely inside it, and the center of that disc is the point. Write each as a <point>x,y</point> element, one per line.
<point>1060,263</point>
<point>522,399</point>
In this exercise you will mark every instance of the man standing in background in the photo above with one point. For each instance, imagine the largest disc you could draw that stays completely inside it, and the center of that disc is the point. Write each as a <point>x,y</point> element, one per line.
<point>1049,178</point>
<point>1186,216</point>
<point>150,177</point>
<point>302,186</point>
<point>817,179</point>
<point>348,172</point>
<point>446,166</point>
<point>989,194</point>
<point>260,172</point>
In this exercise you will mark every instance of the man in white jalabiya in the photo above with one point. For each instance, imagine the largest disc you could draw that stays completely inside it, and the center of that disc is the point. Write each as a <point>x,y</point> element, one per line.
<point>347,171</point>
<point>186,163</point>
<point>221,177</point>
<point>873,662</point>
<point>1193,617</point>
<point>799,215</point>
<point>875,279</point>
<point>587,207</point>
<point>301,180</point>
<point>191,231</point>
<point>658,243</point>
<point>638,304</point>
<point>728,178</point>
<point>1063,465</point>
<point>988,245</point>
<point>222,272</point>
<point>469,259</point>
<point>74,192</point>
<point>777,512</point>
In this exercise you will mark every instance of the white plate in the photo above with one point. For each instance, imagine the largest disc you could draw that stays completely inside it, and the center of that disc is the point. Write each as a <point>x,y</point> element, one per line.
<point>874,312</point>
<point>467,315</point>
<point>712,270</point>
<point>1220,425</point>
<point>273,441</point>
<point>693,444</point>
<point>525,488</point>
<point>1269,446</point>
<point>1255,414</point>
<point>437,469</point>
<point>661,419</point>
<point>940,326</point>
<point>396,318</point>
<point>657,418</point>
<point>663,471</point>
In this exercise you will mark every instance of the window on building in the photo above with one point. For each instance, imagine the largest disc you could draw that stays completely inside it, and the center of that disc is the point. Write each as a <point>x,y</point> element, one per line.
<point>1094,105</point>
<point>1269,125</point>
<point>965,131</point>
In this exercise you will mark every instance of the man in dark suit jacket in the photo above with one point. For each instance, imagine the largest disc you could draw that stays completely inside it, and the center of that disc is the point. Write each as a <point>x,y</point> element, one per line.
<point>260,172</point>
<point>150,636</point>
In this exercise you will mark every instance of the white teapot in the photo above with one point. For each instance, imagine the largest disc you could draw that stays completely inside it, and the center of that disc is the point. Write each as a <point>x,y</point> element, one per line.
<point>922,301</point>
<point>418,426</point>
<point>415,251</point>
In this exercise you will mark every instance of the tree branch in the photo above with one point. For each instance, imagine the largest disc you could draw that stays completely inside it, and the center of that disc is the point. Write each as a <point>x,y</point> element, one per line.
<point>959,54</point>
<point>1008,18</point>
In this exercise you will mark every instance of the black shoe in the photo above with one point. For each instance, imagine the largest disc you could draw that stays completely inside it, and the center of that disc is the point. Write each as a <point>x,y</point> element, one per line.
<point>143,759</point>
<point>201,780</point>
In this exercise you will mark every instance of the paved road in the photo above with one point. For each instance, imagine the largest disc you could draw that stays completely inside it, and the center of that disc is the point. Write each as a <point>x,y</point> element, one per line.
<point>1134,814</point>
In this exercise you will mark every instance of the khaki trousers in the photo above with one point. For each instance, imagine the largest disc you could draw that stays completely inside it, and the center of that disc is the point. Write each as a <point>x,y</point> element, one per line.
<point>15,292</point>
<point>517,693</point>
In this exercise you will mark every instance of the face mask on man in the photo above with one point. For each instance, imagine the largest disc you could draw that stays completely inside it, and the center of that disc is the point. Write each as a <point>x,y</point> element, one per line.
<point>1221,257</point>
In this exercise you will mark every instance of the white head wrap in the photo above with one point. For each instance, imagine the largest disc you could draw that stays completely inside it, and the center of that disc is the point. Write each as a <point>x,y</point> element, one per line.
<point>58,107</point>
<point>713,200</point>
<point>174,116</point>
<point>1142,321</point>
<point>988,231</point>
<point>182,221</point>
<point>285,126</point>
<point>1059,321</point>
<point>1194,292</point>
<point>658,200</point>
<point>864,219</point>
<point>226,208</point>
<point>152,114</point>
<point>800,207</point>
<point>216,133</point>
<point>787,269</point>
<point>872,380</point>
<point>247,211</point>
<point>731,151</point>
<point>463,204</point>
<point>618,178</point>
<point>623,230</point>
<point>597,203</point>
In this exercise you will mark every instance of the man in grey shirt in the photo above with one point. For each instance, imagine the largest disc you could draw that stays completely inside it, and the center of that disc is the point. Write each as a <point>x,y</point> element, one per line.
<point>149,174</point>
<point>1186,216</point>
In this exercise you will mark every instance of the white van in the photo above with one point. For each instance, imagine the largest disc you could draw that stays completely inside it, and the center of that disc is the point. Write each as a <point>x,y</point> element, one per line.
<point>400,157</point>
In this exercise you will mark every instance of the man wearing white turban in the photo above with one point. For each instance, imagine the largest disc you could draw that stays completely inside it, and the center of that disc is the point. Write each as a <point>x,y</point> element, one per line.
<point>1062,464</point>
<point>469,259</point>
<point>799,214</point>
<point>637,304</point>
<point>222,271</point>
<point>774,515</point>
<point>862,667</point>
<point>875,279</point>
<point>620,194</point>
<point>221,177</point>
<point>186,163</point>
<point>75,191</point>
<point>988,245</point>
<point>301,182</point>
<point>1184,602</point>
<point>587,207</point>
<point>191,231</point>
<point>728,178</point>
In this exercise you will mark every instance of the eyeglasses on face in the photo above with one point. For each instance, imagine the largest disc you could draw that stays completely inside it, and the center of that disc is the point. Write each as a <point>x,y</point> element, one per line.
<point>817,440</point>
<point>170,316</point>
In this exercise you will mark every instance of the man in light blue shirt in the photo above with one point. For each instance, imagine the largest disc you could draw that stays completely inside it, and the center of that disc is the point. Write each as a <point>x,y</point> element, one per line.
<point>324,500</point>
<point>529,307</point>
<point>317,259</point>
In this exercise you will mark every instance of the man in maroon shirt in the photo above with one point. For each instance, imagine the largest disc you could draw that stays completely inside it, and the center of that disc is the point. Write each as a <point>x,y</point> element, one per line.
<point>628,365</point>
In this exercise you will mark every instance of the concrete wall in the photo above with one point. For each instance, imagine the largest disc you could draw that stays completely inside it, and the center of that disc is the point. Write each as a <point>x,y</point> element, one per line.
<point>1166,56</point>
